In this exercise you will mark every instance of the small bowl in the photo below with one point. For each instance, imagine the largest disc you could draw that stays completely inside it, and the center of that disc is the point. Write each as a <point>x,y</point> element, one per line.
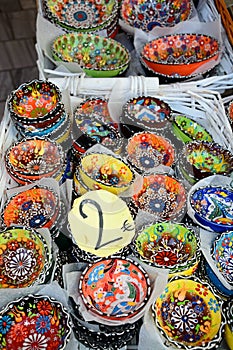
<point>213,207</point>
<point>48,324</point>
<point>189,314</point>
<point>162,196</point>
<point>229,326</point>
<point>230,112</point>
<point>188,130</point>
<point>146,150</point>
<point>25,258</point>
<point>200,159</point>
<point>180,55</point>
<point>223,291</point>
<point>147,14</point>
<point>105,171</point>
<point>222,253</point>
<point>168,245</point>
<point>116,289</point>
<point>98,56</point>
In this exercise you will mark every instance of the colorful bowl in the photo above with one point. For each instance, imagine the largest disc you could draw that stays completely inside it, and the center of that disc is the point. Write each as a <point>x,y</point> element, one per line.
<point>115,289</point>
<point>105,171</point>
<point>34,322</point>
<point>147,14</point>
<point>189,314</point>
<point>230,112</point>
<point>145,151</point>
<point>180,55</point>
<point>229,326</point>
<point>223,291</point>
<point>187,129</point>
<point>98,56</point>
<point>213,207</point>
<point>25,258</point>
<point>162,196</point>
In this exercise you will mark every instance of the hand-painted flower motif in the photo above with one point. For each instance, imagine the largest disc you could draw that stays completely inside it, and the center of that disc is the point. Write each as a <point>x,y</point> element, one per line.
<point>5,324</point>
<point>19,264</point>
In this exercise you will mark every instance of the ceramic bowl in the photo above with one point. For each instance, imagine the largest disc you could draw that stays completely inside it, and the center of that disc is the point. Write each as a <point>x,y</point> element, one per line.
<point>36,207</point>
<point>200,159</point>
<point>105,171</point>
<point>146,150</point>
<point>115,289</point>
<point>213,207</point>
<point>162,196</point>
<point>230,112</point>
<point>168,245</point>
<point>221,288</point>
<point>180,55</point>
<point>188,130</point>
<point>25,258</point>
<point>48,324</point>
<point>98,56</point>
<point>229,326</point>
<point>36,103</point>
<point>189,314</point>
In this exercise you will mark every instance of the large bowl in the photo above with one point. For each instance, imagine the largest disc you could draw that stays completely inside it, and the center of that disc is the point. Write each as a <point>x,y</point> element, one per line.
<point>181,55</point>
<point>105,171</point>
<point>98,56</point>
<point>147,14</point>
<point>189,314</point>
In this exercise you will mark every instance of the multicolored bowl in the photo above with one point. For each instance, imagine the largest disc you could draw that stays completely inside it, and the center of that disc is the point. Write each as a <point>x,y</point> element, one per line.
<point>115,289</point>
<point>25,258</point>
<point>147,14</point>
<point>105,171</point>
<point>34,322</point>
<point>189,314</point>
<point>146,150</point>
<point>181,55</point>
<point>229,326</point>
<point>98,56</point>
<point>230,112</point>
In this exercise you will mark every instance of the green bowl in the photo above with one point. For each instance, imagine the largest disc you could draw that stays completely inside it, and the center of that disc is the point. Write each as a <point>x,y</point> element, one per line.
<point>98,56</point>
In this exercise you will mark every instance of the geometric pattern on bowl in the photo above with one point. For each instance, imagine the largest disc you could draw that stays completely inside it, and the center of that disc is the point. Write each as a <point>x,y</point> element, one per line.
<point>34,322</point>
<point>24,258</point>
<point>147,14</point>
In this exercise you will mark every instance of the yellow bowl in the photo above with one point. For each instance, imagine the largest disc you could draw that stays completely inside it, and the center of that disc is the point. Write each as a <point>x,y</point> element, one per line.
<point>229,337</point>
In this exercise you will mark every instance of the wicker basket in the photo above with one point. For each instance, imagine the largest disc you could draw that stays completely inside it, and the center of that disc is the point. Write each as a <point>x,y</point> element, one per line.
<point>227,20</point>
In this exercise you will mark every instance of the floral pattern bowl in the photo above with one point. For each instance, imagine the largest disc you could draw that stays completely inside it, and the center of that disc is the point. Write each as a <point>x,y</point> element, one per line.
<point>229,325</point>
<point>147,14</point>
<point>98,56</point>
<point>168,245</point>
<point>180,55</point>
<point>25,258</point>
<point>34,322</point>
<point>105,171</point>
<point>146,150</point>
<point>162,196</point>
<point>115,289</point>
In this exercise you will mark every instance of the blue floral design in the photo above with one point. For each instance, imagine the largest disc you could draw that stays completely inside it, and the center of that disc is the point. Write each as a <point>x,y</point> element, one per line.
<point>96,274</point>
<point>43,324</point>
<point>37,220</point>
<point>5,324</point>
<point>157,205</point>
<point>214,306</point>
<point>26,205</point>
<point>146,162</point>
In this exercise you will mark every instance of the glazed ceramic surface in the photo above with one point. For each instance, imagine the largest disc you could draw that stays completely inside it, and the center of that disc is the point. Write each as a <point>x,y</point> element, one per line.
<point>24,258</point>
<point>213,207</point>
<point>115,288</point>
<point>229,325</point>
<point>147,150</point>
<point>180,55</point>
<point>34,322</point>
<point>162,196</point>
<point>188,314</point>
<point>36,207</point>
<point>98,56</point>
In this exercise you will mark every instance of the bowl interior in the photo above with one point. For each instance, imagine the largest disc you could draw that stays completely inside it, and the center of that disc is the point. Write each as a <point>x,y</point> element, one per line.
<point>191,129</point>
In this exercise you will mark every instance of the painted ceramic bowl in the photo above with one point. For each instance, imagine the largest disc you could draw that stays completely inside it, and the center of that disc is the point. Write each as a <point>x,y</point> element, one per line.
<point>147,14</point>
<point>37,103</point>
<point>36,208</point>
<point>81,15</point>
<point>187,129</point>
<point>34,322</point>
<point>115,289</point>
<point>229,326</point>
<point>224,291</point>
<point>98,56</point>
<point>25,258</point>
<point>189,314</point>
<point>168,245</point>
<point>162,196</point>
<point>105,171</point>
<point>200,159</point>
<point>230,112</point>
<point>145,151</point>
<point>213,207</point>
<point>180,55</point>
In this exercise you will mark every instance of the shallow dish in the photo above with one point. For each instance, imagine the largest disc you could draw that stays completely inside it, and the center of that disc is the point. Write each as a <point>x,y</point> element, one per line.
<point>35,322</point>
<point>180,55</point>
<point>98,56</point>
<point>115,289</point>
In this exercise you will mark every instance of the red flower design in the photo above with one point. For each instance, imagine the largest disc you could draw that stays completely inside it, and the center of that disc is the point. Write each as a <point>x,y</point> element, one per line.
<point>44,307</point>
<point>166,258</point>
<point>18,332</point>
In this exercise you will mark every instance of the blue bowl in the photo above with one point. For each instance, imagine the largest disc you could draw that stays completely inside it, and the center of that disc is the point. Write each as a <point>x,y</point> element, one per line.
<point>216,282</point>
